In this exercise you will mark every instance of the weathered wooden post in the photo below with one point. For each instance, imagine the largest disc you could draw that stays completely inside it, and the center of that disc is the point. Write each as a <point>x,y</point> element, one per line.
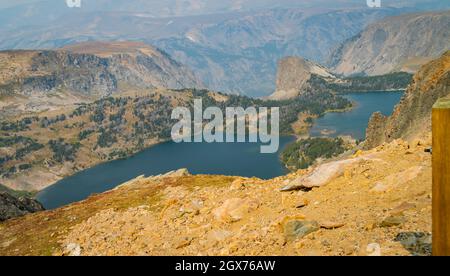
<point>441,177</point>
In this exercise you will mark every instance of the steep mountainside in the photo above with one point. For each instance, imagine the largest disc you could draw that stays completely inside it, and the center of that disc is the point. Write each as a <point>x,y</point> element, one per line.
<point>413,114</point>
<point>294,74</point>
<point>86,70</point>
<point>401,43</point>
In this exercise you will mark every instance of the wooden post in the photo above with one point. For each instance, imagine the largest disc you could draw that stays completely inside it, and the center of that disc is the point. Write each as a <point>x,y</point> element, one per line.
<point>441,177</point>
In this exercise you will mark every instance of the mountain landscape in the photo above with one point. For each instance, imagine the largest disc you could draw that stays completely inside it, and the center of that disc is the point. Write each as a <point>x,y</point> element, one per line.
<point>69,109</point>
<point>83,88</point>
<point>37,151</point>
<point>216,215</point>
<point>232,51</point>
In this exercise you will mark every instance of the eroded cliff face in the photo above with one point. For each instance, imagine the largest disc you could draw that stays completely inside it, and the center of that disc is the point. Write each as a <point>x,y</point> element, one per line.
<point>401,43</point>
<point>294,74</point>
<point>412,115</point>
<point>84,72</point>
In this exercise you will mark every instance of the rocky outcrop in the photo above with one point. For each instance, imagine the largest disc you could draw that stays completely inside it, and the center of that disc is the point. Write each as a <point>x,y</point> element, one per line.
<point>401,43</point>
<point>12,207</point>
<point>325,173</point>
<point>294,74</point>
<point>94,69</point>
<point>413,114</point>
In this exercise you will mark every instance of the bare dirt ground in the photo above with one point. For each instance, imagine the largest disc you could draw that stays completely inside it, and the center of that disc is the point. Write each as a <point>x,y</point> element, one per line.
<point>377,205</point>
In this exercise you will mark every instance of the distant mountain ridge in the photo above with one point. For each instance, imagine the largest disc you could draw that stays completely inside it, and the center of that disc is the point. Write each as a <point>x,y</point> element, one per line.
<point>241,54</point>
<point>231,52</point>
<point>177,8</point>
<point>400,43</point>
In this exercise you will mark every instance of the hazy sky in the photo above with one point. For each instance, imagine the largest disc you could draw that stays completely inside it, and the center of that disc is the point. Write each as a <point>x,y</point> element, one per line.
<point>206,6</point>
<point>8,3</point>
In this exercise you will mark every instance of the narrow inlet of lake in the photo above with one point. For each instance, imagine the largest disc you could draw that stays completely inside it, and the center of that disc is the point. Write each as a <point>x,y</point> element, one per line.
<point>354,122</point>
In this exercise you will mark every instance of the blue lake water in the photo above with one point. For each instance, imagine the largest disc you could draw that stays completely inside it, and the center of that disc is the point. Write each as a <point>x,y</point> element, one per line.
<point>240,159</point>
<point>354,122</point>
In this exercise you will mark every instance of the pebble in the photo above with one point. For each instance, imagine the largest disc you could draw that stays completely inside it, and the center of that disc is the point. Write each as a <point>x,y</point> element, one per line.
<point>393,221</point>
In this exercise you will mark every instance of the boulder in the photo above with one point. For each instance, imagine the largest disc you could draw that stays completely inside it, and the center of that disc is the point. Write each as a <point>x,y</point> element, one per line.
<point>392,221</point>
<point>324,174</point>
<point>395,180</point>
<point>12,207</point>
<point>297,229</point>
<point>235,209</point>
<point>72,250</point>
<point>331,225</point>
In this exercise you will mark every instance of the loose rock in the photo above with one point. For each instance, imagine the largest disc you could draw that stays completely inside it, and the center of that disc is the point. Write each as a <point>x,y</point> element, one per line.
<point>393,221</point>
<point>296,229</point>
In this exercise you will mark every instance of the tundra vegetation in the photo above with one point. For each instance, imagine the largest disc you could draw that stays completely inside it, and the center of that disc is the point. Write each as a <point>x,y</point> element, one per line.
<point>304,153</point>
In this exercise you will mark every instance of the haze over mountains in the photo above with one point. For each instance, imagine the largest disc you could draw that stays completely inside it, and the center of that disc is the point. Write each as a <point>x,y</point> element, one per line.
<point>168,8</point>
<point>232,46</point>
<point>400,43</point>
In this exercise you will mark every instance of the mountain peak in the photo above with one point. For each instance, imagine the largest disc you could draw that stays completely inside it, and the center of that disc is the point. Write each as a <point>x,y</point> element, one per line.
<point>293,76</point>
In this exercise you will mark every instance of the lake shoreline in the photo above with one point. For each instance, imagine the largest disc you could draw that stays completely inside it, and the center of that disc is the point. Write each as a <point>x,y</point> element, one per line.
<point>353,121</point>
<point>231,159</point>
<point>295,137</point>
<point>56,178</point>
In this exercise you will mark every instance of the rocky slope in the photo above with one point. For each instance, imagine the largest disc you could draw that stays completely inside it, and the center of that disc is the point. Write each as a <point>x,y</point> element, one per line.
<point>413,113</point>
<point>373,203</point>
<point>401,43</point>
<point>84,72</point>
<point>294,74</point>
<point>12,207</point>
